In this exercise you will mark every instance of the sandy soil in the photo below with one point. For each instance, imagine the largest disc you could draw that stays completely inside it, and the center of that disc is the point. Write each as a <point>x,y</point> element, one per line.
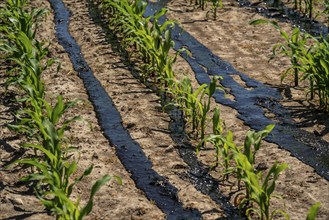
<point>231,38</point>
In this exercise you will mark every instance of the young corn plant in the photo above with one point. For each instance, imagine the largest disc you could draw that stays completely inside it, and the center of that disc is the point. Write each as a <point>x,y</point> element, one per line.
<point>54,185</point>
<point>252,142</point>
<point>225,150</point>
<point>187,99</point>
<point>216,4</point>
<point>194,107</point>
<point>153,42</point>
<point>205,107</point>
<point>292,47</point>
<point>28,58</point>
<point>251,145</point>
<point>17,18</point>
<point>259,188</point>
<point>316,68</point>
<point>313,211</point>
<point>194,103</point>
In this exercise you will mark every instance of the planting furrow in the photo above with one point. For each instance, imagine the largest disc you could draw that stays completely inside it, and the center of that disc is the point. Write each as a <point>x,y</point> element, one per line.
<point>156,187</point>
<point>249,101</point>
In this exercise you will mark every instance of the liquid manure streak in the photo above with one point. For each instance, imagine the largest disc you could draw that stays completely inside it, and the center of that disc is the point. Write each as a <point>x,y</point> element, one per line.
<point>198,173</point>
<point>129,152</point>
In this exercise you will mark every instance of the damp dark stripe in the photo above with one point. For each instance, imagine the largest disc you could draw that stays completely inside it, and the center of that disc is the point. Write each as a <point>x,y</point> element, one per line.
<point>283,13</point>
<point>250,102</point>
<point>129,152</point>
<point>198,172</point>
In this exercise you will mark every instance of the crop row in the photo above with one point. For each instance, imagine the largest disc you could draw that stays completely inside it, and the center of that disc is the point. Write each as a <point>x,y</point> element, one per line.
<point>41,122</point>
<point>308,60</point>
<point>308,54</point>
<point>308,8</point>
<point>151,43</point>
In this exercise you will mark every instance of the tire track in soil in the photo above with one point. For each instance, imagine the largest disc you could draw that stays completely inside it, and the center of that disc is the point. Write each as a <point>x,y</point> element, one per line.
<point>156,187</point>
<point>251,101</point>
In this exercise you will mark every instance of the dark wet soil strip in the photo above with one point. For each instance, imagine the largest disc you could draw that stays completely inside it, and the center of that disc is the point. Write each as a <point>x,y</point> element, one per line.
<point>129,152</point>
<point>251,101</point>
<point>286,14</point>
<point>198,173</point>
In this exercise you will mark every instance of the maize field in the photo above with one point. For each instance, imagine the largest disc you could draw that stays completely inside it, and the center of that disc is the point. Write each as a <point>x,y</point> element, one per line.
<point>163,109</point>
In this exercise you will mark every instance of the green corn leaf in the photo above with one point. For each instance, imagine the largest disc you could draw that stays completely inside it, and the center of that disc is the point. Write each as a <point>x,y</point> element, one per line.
<point>53,159</point>
<point>273,173</point>
<point>33,177</point>
<point>58,110</point>
<point>213,86</point>
<point>295,35</point>
<point>158,14</point>
<point>25,41</point>
<point>199,90</point>
<point>72,168</point>
<point>165,25</point>
<point>49,109</point>
<point>88,207</point>
<point>249,141</point>
<point>57,179</point>
<point>262,21</point>
<point>67,203</point>
<point>313,211</point>
<point>34,162</point>
<point>284,35</point>
<point>324,64</point>
<point>85,173</point>
<point>51,132</point>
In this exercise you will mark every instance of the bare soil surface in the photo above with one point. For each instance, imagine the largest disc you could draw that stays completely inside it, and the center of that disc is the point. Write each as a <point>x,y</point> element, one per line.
<point>230,37</point>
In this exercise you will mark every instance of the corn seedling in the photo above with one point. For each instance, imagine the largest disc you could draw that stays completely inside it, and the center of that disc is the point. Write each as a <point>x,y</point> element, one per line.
<point>215,5</point>
<point>313,211</point>
<point>188,100</point>
<point>292,47</point>
<point>259,188</point>
<point>16,18</point>
<point>225,150</point>
<point>252,142</point>
<point>316,68</point>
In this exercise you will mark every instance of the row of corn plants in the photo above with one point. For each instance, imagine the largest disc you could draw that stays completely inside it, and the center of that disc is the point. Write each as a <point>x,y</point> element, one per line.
<point>309,8</point>
<point>215,4</point>
<point>152,43</point>
<point>240,161</point>
<point>308,60</point>
<point>53,166</point>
